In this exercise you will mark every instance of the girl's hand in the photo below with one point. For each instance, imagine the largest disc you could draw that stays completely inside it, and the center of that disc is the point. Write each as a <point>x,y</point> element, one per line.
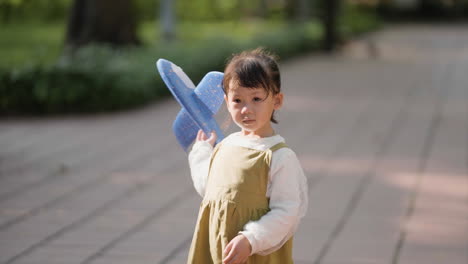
<point>202,137</point>
<point>237,251</point>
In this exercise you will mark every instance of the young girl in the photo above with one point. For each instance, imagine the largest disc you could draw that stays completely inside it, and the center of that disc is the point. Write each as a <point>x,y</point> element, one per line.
<point>253,187</point>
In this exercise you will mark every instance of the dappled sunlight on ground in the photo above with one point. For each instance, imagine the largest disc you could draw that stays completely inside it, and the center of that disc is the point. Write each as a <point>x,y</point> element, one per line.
<point>441,207</point>
<point>340,166</point>
<point>444,186</point>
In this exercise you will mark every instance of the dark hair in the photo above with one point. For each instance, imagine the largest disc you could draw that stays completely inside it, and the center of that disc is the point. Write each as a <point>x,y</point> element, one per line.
<point>254,69</point>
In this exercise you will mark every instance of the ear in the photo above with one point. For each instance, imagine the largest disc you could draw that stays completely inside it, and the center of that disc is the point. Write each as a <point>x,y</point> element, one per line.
<point>225,98</point>
<point>278,101</point>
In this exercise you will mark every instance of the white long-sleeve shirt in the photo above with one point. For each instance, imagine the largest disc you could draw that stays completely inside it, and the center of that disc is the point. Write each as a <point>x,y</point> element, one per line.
<point>287,190</point>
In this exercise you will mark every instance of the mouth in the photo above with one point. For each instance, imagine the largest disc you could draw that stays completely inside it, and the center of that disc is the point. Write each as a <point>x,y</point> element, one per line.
<point>248,121</point>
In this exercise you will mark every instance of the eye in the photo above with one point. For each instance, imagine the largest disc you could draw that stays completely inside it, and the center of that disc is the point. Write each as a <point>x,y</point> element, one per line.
<point>236,101</point>
<point>257,99</point>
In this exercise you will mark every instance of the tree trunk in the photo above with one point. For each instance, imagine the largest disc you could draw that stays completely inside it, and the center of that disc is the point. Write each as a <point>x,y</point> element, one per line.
<point>101,21</point>
<point>330,22</point>
<point>262,9</point>
<point>430,8</point>
<point>290,9</point>
<point>297,10</point>
<point>6,12</point>
<point>167,20</point>
<point>304,10</point>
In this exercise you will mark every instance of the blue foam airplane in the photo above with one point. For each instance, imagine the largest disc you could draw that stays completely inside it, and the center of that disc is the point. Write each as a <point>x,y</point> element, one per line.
<point>199,105</point>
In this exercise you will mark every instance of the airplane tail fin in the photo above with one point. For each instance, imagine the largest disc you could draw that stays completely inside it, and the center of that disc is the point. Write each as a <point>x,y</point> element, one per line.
<point>210,91</point>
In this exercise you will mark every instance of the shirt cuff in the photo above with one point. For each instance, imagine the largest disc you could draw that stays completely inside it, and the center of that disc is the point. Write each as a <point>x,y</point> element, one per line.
<point>250,237</point>
<point>202,145</point>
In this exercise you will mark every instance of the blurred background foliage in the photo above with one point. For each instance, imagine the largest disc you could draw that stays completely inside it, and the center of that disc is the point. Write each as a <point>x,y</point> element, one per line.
<point>57,58</point>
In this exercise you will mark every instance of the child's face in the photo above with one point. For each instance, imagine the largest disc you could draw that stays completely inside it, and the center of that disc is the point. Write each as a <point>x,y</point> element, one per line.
<point>251,109</point>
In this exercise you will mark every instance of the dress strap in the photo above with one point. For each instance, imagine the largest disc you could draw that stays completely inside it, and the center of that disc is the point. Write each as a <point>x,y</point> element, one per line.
<point>269,152</point>
<point>278,146</point>
<point>216,147</point>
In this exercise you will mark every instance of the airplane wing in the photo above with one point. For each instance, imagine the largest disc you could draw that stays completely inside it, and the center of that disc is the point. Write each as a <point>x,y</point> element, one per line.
<point>185,129</point>
<point>198,105</point>
<point>177,81</point>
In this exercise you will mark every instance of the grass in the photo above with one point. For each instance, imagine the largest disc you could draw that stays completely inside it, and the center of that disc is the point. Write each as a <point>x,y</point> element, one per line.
<point>197,31</point>
<point>30,43</point>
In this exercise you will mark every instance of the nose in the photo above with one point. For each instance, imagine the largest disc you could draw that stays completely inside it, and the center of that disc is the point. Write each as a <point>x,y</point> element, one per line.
<point>245,109</point>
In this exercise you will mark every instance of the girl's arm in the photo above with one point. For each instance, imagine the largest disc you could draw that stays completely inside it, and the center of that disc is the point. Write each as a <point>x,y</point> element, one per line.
<point>288,204</point>
<point>199,160</point>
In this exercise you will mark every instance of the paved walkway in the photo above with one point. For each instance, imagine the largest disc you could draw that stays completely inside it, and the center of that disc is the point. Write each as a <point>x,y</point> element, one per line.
<point>381,130</point>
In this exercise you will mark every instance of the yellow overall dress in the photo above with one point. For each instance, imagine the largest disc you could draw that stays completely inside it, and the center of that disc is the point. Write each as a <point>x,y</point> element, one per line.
<point>235,194</point>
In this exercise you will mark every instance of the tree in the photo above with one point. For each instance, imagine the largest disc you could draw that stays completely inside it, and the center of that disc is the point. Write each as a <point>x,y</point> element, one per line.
<point>6,8</point>
<point>330,23</point>
<point>167,19</point>
<point>297,10</point>
<point>429,8</point>
<point>101,21</point>
<point>304,10</point>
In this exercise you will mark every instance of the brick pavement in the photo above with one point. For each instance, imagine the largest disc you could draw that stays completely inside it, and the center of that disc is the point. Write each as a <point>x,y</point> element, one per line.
<point>381,130</point>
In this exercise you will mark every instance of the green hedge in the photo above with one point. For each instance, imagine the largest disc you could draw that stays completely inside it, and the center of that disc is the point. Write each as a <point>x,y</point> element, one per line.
<point>99,78</point>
